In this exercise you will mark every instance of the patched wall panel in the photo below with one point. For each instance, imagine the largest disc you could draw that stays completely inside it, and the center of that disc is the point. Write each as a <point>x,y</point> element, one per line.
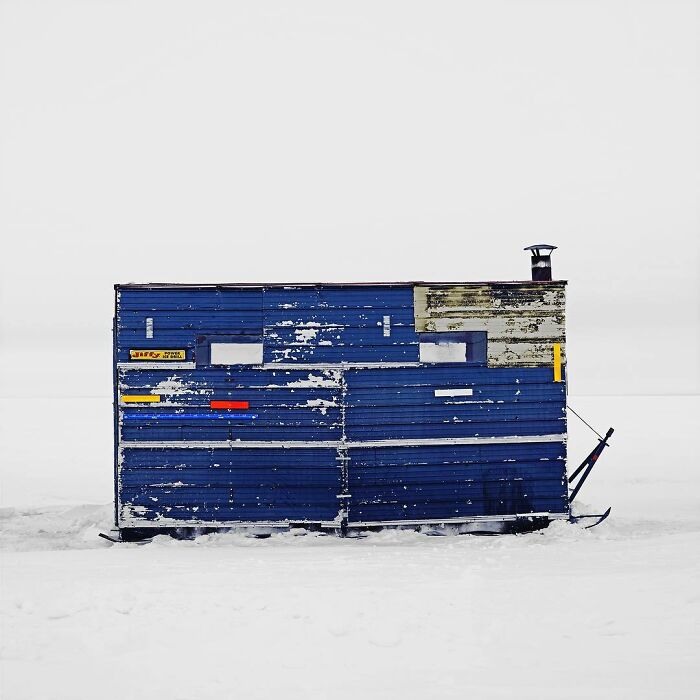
<point>522,320</point>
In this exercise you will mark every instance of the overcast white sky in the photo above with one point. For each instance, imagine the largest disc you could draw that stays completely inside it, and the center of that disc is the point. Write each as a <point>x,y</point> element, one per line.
<point>252,141</point>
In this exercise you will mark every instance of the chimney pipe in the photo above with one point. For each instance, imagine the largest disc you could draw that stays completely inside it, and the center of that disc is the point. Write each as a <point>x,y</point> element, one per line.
<point>541,261</point>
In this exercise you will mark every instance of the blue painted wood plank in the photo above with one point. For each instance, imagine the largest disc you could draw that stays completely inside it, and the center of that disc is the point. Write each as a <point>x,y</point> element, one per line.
<point>206,512</point>
<point>231,378</point>
<point>264,477</point>
<point>196,458</point>
<point>436,511</point>
<point>190,299</point>
<point>479,412</point>
<point>353,353</point>
<point>339,336</point>
<point>355,318</point>
<point>261,415</point>
<point>322,297</point>
<point>164,433</point>
<point>407,457</point>
<point>451,375</point>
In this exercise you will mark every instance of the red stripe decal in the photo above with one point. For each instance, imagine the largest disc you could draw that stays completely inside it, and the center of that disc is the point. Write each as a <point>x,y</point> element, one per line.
<point>229,404</point>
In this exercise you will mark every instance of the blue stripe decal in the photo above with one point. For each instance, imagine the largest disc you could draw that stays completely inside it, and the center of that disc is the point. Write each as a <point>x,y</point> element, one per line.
<point>188,416</point>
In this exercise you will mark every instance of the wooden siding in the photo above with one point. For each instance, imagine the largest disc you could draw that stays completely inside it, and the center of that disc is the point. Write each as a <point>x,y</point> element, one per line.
<point>341,420</point>
<point>523,320</point>
<point>339,324</point>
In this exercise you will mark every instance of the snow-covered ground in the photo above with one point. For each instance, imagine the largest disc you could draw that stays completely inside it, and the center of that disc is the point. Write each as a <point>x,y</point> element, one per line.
<point>612,612</point>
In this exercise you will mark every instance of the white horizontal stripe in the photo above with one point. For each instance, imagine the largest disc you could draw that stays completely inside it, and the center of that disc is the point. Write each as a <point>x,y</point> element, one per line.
<point>133,521</point>
<point>454,392</point>
<point>156,365</point>
<point>339,365</point>
<point>310,444</point>
<point>275,365</point>
<point>452,521</point>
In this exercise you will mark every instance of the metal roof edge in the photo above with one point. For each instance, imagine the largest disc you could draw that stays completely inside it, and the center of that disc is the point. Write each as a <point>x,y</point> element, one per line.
<point>413,283</point>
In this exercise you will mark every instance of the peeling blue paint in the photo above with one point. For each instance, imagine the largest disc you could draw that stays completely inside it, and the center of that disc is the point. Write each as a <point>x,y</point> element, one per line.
<point>339,408</point>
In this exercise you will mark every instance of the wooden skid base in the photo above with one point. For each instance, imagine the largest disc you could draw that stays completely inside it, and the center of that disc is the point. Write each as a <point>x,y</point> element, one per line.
<point>478,527</point>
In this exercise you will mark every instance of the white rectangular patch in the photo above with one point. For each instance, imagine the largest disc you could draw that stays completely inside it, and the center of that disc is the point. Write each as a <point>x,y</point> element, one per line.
<point>236,353</point>
<point>149,327</point>
<point>387,326</point>
<point>454,392</point>
<point>443,352</point>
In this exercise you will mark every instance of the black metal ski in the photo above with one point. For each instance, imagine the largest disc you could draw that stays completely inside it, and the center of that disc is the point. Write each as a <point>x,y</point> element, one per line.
<point>600,516</point>
<point>120,540</point>
<point>107,537</point>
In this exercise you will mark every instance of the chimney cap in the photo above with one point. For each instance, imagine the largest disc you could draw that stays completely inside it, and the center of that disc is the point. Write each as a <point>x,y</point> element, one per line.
<point>540,246</point>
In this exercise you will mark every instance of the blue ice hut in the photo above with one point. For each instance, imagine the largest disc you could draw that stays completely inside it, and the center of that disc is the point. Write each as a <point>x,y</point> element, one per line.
<point>340,406</point>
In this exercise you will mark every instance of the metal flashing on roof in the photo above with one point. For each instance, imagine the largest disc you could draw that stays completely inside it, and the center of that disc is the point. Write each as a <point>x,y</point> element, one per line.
<point>292,285</point>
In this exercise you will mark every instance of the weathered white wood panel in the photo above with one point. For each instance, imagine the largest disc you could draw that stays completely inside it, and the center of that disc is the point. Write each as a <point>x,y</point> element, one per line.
<point>528,325</point>
<point>522,319</point>
<point>516,296</point>
<point>523,354</point>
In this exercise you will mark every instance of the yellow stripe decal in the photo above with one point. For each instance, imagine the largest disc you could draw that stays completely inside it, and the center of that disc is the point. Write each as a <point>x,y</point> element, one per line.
<point>147,398</point>
<point>557,362</point>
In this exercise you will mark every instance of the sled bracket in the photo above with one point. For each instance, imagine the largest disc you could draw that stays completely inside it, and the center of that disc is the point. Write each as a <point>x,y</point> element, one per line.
<point>587,465</point>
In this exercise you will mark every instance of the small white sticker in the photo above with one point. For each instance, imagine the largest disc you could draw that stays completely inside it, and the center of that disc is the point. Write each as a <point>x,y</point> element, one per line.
<point>149,327</point>
<point>454,392</point>
<point>387,326</point>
